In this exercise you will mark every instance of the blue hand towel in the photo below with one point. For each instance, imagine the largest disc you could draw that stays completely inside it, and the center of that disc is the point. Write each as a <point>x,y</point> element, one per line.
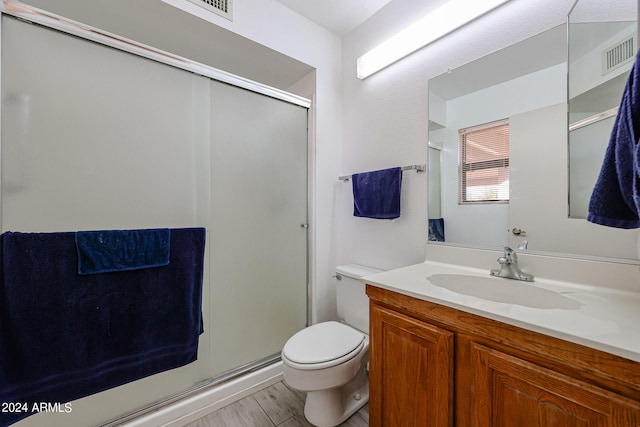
<point>377,194</point>
<point>64,335</point>
<point>615,201</point>
<point>121,250</point>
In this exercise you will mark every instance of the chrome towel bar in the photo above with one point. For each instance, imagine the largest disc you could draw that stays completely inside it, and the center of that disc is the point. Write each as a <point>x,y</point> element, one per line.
<point>417,168</point>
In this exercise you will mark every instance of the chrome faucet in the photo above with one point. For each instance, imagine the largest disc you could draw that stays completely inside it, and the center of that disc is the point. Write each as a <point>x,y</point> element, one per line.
<point>509,267</point>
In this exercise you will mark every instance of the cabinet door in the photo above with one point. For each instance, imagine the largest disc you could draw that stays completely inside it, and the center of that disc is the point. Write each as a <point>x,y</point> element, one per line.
<point>411,375</point>
<point>506,391</point>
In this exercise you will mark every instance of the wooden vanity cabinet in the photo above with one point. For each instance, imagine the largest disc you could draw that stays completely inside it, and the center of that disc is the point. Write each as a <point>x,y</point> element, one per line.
<point>432,365</point>
<point>411,369</point>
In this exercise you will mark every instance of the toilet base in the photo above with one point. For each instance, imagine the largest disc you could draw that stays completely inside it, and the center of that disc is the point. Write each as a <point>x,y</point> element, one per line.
<point>329,408</point>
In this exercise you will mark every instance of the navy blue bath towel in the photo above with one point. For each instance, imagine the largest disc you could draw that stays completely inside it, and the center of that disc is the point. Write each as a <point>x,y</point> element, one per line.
<point>376,194</point>
<point>615,201</point>
<point>121,250</point>
<point>64,336</point>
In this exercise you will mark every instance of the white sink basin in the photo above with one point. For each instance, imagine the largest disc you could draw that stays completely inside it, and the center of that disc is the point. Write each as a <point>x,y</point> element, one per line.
<point>504,291</point>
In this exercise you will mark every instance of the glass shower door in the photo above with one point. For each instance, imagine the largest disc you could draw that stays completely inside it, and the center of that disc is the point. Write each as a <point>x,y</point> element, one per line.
<point>105,139</point>
<point>258,234</point>
<point>95,138</point>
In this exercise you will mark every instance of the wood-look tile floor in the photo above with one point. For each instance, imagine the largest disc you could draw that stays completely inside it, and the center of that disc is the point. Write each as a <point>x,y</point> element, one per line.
<point>277,405</point>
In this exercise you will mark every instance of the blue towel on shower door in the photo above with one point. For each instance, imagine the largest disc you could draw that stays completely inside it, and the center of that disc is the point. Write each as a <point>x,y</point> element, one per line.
<point>615,201</point>
<point>376,194</point>
<point>64,336</point>
<point>121,250</point>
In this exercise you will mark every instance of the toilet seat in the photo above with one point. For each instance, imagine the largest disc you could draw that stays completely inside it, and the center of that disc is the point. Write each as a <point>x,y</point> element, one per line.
<point>323,345</point>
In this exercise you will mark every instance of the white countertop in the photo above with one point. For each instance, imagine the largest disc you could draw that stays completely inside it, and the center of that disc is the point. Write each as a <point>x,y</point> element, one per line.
<point>599,318</point>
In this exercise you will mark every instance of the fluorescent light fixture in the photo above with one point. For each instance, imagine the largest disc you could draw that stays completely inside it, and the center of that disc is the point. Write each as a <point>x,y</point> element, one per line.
<point>447,18</point>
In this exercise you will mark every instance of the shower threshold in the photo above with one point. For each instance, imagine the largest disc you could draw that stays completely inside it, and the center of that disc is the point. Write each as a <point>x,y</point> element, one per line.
<point>198,388</point>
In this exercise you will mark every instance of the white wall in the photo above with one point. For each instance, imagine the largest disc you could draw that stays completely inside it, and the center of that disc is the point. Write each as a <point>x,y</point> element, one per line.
<point>385,116</point>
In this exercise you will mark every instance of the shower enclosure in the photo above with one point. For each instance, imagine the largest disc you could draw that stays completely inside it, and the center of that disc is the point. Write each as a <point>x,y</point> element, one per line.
<point>102,134</point>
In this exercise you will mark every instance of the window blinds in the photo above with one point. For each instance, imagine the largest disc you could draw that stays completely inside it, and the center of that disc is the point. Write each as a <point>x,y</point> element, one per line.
<point>484,163</point>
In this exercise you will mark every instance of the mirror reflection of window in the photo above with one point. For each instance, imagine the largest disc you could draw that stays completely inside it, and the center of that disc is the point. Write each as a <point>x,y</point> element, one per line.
<point>484,163</point>
<point>526,83</point>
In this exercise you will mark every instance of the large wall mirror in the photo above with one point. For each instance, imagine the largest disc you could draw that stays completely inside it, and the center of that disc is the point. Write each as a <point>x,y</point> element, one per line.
<point>520,94</point>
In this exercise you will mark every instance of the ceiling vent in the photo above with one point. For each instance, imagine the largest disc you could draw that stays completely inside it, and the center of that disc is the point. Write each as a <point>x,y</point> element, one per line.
<point>220,7</point>
<point>618,55</point>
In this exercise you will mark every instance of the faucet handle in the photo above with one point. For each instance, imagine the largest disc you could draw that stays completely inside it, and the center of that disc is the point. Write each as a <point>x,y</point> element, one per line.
<point>523,244</point>
<point>510,255</point>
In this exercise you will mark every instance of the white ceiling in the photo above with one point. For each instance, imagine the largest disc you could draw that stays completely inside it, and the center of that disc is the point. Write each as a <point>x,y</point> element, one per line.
<point>337,16</point>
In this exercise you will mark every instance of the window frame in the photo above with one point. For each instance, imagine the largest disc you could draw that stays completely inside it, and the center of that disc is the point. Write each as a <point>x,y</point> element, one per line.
<point>465,167</point>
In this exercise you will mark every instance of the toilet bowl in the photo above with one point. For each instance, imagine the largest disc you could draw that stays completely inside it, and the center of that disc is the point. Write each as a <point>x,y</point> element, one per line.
<point>329,360</point>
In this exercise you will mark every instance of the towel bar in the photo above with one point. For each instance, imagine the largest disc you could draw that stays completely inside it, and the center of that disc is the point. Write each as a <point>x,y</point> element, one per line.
<point>417,168</point>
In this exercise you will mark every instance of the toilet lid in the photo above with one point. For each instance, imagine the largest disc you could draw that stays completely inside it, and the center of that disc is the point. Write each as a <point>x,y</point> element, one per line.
<point>322,342</point>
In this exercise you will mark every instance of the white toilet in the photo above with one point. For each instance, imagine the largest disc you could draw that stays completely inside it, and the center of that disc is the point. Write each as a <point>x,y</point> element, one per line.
<point>329,360</point>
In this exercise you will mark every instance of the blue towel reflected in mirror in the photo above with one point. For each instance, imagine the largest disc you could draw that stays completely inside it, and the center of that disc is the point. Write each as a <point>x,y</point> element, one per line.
<point>615,201</point>
<point>436,230</point>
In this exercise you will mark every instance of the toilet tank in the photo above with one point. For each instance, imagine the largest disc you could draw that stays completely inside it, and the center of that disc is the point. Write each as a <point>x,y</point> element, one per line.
<point>351,298</point>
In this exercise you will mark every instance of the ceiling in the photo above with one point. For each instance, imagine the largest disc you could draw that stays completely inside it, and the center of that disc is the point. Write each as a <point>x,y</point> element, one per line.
<point>337,16</point>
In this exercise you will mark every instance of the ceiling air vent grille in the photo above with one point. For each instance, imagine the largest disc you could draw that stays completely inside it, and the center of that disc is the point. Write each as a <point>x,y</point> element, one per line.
<point>618,55</point>
<point>220,7</point>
